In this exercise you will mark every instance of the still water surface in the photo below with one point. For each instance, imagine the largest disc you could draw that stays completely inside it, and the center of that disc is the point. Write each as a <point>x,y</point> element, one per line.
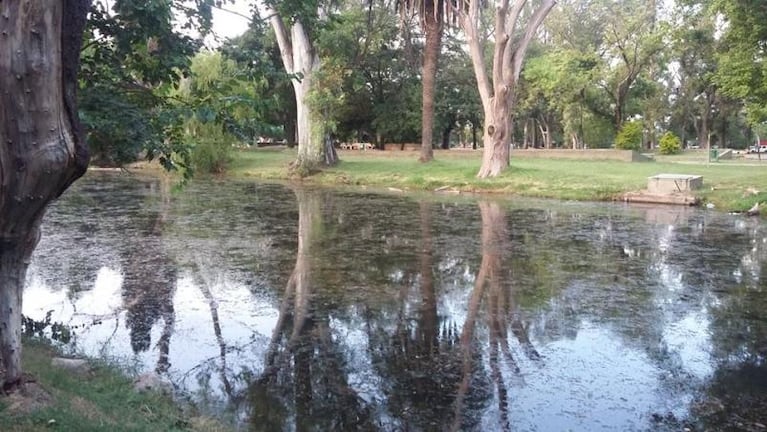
<point>285,308</point>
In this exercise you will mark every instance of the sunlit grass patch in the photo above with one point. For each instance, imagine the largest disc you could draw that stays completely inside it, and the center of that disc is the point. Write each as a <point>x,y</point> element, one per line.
<point>726,185</point>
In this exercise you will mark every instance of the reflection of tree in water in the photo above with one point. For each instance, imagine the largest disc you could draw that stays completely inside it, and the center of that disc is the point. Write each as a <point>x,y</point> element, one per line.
<point>419,358</point>
<point>149,283</point>
<point>304,378</point>
<point>435,373</point>
<point>492,288</point>
<point>735,397</point>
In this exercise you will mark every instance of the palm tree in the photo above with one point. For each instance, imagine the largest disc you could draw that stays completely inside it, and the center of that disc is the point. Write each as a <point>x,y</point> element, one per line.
<point>432,14</point>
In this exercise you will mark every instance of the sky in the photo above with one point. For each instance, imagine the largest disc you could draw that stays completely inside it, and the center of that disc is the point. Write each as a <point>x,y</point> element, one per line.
<point>226,24</point>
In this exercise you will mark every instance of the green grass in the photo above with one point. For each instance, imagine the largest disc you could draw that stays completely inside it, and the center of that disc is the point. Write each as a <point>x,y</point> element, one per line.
<point>727,184</point>
<point>102,400</point>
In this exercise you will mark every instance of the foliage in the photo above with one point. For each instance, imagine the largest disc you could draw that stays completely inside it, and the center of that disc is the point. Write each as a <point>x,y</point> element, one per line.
<point>132,57</point>
<point>629,136</point>
<point>457,97</point>
<point>670,144</point>
<point>256,53</point>
<point>221,109</point>
<point>742,68</point>
<point>212,147</point>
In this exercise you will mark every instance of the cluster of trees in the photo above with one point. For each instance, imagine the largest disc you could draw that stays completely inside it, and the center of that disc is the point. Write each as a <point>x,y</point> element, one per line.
<point>318,71</point>
<point>438,72</point>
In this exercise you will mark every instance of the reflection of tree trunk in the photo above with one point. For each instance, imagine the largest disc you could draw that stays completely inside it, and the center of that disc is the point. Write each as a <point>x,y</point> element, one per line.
<point>309,215</point>
<point>298,289</point>
<point>168,311</point>
<point>169,320</point>
<point>149,282</point>
<point>213,305</point>
<point>304,370</point>
<point>428,331</point>
<point>493,246</point>
<point>302,387</point>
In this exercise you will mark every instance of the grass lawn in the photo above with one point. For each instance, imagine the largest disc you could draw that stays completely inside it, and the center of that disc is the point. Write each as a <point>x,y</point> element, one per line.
<point>730,185</point>
<point>100,400</point>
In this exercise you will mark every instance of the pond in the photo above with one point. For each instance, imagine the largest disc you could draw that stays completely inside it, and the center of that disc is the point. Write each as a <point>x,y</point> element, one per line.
<point>285,308</point>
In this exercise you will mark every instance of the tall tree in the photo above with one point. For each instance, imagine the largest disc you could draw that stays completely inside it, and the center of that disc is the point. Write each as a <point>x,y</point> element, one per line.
<point>292,22</point>
<point>42,150</point>
<point>498,90</point>
<point>432,14</point>
<point>632,40</point>
<point>742,71</point>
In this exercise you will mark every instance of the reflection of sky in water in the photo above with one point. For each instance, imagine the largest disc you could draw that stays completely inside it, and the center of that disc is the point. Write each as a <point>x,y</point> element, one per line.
<point>246,324</point>
<point>591,382</point>
<point>615,348</point>
<point>690,339</point>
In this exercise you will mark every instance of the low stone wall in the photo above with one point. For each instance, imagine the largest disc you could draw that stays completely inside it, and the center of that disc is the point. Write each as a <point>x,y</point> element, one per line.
<point>398,147</point>
<point>589,154</point>
<point>356,146</point>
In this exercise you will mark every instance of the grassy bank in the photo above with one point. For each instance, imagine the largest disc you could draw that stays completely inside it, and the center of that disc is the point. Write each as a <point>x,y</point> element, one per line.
<point>99,400</point>
<point>728,185</point>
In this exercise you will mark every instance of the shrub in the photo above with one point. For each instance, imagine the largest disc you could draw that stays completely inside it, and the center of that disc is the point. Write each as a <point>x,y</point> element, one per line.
<point>670,144</point>
<point>630,136</point>
<point>212,151</point>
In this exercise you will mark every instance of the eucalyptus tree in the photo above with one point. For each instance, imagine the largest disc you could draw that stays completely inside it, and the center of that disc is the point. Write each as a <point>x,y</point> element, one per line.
<point>42,149</point>
<point>295,25</point>
<point>42,143</point>
<point>498,87</point>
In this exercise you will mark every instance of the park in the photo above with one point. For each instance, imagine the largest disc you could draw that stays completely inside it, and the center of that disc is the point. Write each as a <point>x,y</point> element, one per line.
<point>382,215</point>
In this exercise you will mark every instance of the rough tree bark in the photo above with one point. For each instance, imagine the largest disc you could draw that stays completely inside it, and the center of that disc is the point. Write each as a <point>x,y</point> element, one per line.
<point>498,89</point>
<point>42,150</point>
<point>301,60</point>
<point>432,23</point>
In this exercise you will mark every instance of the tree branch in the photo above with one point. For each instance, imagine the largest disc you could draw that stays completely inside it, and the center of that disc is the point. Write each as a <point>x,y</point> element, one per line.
<point>469,24</point>
<point>530,29</point>
<point>283,40</point>
<point>502,40</point>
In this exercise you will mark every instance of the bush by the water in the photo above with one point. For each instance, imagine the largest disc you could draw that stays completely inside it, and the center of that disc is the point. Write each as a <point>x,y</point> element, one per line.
<point>212,150</point>
<point>630,136</point>
<point>670,144</point>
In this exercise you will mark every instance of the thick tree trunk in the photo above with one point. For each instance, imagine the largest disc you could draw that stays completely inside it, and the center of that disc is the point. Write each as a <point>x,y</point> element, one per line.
<point>497,139</point>
<point>498,89</point>
<point>41,147</point>
<point>433,28</point>
<point>299,57</point>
